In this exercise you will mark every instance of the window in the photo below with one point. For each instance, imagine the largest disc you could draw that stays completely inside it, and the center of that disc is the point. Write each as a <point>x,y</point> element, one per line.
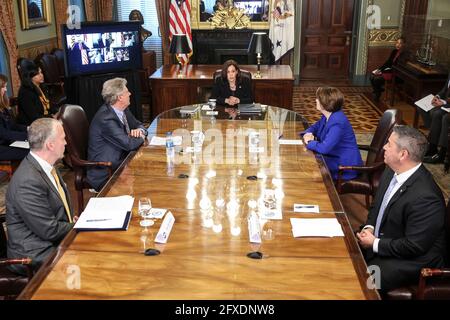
<point>148,10</point>
<point>80,4</point>
<point>4,62</point>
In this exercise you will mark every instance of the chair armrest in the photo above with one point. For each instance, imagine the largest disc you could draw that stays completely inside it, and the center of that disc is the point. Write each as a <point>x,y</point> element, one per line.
<point>368,169</point>
<point>24,261</point>
<point>85,163</point>
<point>427,273</point>
<point>364,147</point>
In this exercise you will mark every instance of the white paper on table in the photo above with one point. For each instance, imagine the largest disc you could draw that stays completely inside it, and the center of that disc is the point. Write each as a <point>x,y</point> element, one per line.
<point>105,213</point>
<point>165,229</point>
<point>290,142</point>
<point>323,227</point>
<point>161,141</point>
<point>206,107</point>
<point>20,144</point>
<point>306,208</point>
<point>425,103</point>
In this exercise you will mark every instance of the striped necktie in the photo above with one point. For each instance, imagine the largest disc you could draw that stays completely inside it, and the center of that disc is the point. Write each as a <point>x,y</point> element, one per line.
<point>62,194</point>
<point>125,123</point>
<point>384,204</point>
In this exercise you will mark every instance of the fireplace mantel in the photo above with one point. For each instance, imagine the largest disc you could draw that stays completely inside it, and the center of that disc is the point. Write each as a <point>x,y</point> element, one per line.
<point>217,46</point>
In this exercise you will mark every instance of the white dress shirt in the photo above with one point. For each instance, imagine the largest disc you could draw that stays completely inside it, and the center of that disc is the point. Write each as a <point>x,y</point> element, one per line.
<point>401,178</point>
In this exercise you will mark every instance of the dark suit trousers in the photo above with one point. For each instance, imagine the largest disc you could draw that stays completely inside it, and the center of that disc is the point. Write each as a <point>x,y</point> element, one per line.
<point>434,120</point>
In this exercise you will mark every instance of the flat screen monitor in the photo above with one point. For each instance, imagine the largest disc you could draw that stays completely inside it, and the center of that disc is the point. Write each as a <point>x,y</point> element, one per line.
<point>250,7</point>
<point>102,48</point>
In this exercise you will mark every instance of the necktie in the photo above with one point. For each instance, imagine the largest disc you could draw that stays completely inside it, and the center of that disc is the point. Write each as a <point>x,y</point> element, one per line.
<point>384,204</point>
<point>125,123</point>
<point>62,194</point>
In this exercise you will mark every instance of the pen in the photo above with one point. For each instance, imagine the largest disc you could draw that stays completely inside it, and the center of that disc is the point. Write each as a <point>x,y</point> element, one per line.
<point>95,220</point>
<point>281,136</point>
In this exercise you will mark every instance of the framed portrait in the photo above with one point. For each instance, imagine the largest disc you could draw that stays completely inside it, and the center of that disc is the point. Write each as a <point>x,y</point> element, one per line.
<point>256,10</point>
<point>34,13</point>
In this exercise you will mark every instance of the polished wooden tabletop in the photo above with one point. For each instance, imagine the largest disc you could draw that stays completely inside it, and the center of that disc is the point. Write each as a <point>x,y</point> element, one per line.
<point>209,194</point>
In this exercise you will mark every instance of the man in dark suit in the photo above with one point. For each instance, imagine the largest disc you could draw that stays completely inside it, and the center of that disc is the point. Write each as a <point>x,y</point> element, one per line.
<point>38,209</point>
<point>437,121</point>
<point>405,226</point>
<point>114,131</point>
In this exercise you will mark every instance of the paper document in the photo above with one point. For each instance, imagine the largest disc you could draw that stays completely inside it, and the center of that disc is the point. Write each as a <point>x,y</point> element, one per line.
<point>425,103</point>
<point>290,142</point>
<point>112,213</point>
<point>161,141</point>
<point>328,227</point>
<point>20,144</point>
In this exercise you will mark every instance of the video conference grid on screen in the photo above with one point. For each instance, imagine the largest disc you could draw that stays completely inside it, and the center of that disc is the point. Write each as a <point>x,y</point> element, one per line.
<point>98,48</point>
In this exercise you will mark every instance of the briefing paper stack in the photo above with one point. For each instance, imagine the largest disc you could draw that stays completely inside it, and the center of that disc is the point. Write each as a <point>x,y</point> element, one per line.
<point>316,227</point>
<point>425,103</point>
<point>112,213</point>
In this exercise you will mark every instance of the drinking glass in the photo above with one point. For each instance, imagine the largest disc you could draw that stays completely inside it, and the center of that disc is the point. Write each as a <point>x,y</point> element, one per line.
<point>145,205</point>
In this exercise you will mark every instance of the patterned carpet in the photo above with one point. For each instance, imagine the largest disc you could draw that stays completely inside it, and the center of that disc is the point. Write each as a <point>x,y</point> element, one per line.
<point>361,112</point>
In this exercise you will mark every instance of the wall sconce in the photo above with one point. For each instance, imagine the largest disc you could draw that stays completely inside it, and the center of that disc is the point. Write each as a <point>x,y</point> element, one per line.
<point>179,46</point>
<point>260,45</point>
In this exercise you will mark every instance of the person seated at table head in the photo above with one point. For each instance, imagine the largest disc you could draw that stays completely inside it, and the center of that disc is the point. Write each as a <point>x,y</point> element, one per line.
<point>231,88</point>
<point>333,136</point>
<point>437,120</point>
<point>38,206</point>
<point>113,132</point>
<point>384,73</point>
<point>9,130</point>
<point>405,231</point>
<point>32,101</point>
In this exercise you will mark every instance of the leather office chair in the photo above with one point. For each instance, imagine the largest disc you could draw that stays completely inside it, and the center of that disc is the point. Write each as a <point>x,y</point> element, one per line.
<point>367,182</point>
<point>23,64</point>
<point>447,158</point>
<point>9,166</point>
<point>50,69</point>
<point>76,128</point>
<point>11,284</point>
<point>59,55</point>
<point>433,284</point>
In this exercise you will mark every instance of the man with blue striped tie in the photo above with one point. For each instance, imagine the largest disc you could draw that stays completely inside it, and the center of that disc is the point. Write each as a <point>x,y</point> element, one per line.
<point>405,227</point>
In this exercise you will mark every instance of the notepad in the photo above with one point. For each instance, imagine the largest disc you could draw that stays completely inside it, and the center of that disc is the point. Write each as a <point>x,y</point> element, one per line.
<point>20,144</point>
<point>425,103</point>
<point>290,142</point>
<point>106,213</point>
<point>327,227</point>
<point>161,141</point>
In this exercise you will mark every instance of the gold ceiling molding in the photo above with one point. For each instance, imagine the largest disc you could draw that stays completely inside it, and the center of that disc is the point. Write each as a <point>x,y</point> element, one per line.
<point>383,37</point>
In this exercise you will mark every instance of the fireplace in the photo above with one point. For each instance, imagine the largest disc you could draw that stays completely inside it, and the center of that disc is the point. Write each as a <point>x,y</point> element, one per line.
<point>217,46</point>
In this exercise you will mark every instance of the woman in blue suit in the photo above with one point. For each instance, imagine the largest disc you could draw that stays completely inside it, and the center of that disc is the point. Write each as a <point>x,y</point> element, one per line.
<point>333,136</point>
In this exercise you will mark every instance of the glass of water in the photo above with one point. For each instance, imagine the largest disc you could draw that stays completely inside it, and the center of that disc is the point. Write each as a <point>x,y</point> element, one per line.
<point>145,206</point>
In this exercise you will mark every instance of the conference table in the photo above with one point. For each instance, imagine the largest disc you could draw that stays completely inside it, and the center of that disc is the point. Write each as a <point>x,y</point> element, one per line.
<point>212,189</point>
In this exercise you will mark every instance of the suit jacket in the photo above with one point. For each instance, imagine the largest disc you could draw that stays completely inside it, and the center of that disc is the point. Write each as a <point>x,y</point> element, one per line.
<point>109,141</point>
<point>9,130</point>
<point>390,61</point>
<point>30,106</point>
<point>412,232</point>
<point>444,94</point>
<point>36,219</point>
<point>336,141</point>
<point>221,91</point>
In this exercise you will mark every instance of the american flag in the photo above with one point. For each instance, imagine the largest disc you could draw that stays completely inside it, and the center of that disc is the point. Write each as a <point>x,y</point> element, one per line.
<point>180,22</point>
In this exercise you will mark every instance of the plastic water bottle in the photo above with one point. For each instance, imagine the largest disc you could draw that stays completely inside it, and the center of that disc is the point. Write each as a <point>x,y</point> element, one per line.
<point>170,148</point>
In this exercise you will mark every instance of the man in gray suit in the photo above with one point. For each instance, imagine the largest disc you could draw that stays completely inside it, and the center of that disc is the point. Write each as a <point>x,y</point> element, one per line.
<point>38,210</point>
